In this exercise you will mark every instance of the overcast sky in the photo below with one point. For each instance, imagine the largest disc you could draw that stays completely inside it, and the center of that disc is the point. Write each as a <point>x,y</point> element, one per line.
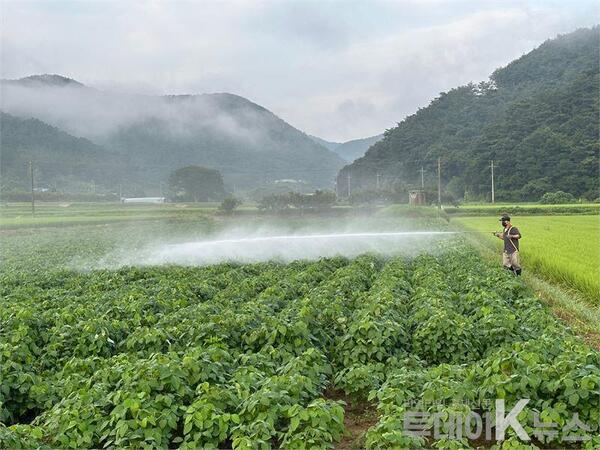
<point>339,69</point>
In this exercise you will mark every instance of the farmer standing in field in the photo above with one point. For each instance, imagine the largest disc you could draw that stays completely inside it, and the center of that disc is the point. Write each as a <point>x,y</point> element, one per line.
<point>510,235</point>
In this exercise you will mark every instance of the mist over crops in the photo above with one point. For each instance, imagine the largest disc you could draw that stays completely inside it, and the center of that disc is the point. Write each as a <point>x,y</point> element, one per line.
<point>254,248</point>
<point>268,241</point>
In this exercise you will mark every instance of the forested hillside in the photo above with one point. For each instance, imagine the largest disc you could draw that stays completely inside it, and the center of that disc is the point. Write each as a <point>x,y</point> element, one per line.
<point>58,158</point>
<point>537,118</point>
<point>327,144</point>
<point>141,139</point>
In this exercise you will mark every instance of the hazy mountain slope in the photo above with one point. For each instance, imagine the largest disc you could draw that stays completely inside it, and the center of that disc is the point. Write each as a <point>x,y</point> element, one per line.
<point>58,157</point>
<point>349,150</point>
<point>44,80</point>
<point>327,144</point>
<point>356,148</point>
<point>157,134</point>
<point>537,118</point>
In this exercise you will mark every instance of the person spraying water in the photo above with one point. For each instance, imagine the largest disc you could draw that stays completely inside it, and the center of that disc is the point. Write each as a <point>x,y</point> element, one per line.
<point>510,255</point>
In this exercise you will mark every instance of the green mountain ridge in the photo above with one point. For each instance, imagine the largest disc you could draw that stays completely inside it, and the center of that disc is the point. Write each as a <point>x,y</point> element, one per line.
<point>349,150</point>
<point>58,158</point>
<point>44,80</point>
<point>356,148</point>
<point>537,118</point>
<point>325,143</point>
<point>145,138</point>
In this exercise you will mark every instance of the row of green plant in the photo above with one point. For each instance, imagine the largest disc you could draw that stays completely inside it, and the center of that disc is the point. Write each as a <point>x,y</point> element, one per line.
<point>475,339</point>
<point>244,355</point>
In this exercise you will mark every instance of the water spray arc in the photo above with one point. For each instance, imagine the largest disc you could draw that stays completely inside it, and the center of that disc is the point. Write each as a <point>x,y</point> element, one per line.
<point>309,237</point>
<point>247,246</point>
<point>288,247</point>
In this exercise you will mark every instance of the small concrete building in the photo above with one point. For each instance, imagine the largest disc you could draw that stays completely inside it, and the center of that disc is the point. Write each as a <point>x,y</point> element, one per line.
<point>416,197</point>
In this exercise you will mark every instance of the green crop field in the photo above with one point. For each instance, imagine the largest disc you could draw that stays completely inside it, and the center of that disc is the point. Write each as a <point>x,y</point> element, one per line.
<point>15,215</point>
<point>480,209</point>
<point>271,354</point>
<point>565,249</point>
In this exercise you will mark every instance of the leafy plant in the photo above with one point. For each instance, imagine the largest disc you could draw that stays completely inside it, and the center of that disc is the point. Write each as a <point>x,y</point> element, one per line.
<point>317,425</point>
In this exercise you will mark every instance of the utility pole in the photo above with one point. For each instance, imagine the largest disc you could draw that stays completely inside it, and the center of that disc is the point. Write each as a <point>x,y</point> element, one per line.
<point>493,193</point>
<point>422,179</point>
<point>349,190</point>
<point>378,176</point>
<point>120,192</point>
<point>439,170</point>
<point>32,188</point>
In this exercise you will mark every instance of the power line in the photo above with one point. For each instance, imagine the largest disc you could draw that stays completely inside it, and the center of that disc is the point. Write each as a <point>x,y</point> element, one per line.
<point>236,170</point>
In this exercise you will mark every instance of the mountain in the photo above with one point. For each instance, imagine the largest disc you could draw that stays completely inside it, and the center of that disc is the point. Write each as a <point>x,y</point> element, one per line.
<point>44,80</point>
<point>356,148</point>
<point>327,144</point>
<point>58,157</point>
<point>349,150</point>
<point>536,118</point>
<point>153,135</point>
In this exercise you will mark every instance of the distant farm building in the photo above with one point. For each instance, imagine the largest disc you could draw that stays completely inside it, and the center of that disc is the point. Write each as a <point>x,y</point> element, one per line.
<point>288,181</point>
<point>143,200</point>
<point>416,197</point>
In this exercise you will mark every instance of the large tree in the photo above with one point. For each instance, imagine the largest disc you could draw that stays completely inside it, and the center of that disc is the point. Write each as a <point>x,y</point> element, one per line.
<point>196,184</point>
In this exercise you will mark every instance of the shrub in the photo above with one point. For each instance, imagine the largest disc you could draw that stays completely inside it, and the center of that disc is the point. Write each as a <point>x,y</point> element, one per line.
<point>558,197</point>
<point>229,204</point>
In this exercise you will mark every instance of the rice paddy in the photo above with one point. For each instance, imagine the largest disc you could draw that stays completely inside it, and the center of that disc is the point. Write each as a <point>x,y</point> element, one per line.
<point>564,249</point>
